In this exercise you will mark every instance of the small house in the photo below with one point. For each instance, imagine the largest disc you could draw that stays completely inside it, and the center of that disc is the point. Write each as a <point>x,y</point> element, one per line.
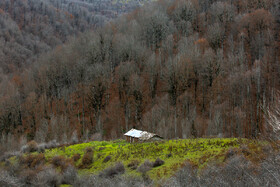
<point>135,135</point>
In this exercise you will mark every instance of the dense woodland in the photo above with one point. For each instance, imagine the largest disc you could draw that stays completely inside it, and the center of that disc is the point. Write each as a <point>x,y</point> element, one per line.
<point>179,68</point>
<point>32,27</point>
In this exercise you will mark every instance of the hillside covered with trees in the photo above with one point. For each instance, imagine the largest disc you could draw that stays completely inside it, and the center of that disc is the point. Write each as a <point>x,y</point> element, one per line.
<point>181,69</point>
<point>32,27</point>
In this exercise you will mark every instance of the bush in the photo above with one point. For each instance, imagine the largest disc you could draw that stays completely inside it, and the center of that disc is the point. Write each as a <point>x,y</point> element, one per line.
<point>59,161</point>
<point>8,155</point>
<point>230,153</point>
<point>133,164</point>
<point>46,177</point>
<point>97,137</point>
<point>158,162</point>
<point>118,181</point>
<point>145,167</point>
<point>112,171</point>
<point>87,159</point>
<point>32,161</point>
<point>85,181</point>
<point>187,176</point>
<point>69,176</point>
<point>52,144</point>
<point>27,175</point>
<point>89,150</point>
<point>6,180</point>
<point>31,146</point>
<point>42,147</point>
<point>106,159</point>
<point>238,171</point>
<point>245,150</point>
<point>270,171</point>
<point>76,157</point>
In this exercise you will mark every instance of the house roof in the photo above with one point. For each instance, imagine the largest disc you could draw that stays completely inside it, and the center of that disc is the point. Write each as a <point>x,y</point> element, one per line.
<point>134,133</point>
<point>143,135</point>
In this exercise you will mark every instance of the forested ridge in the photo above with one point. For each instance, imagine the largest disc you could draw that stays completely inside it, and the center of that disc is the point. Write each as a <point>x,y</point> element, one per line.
<point>32,27</point>
<point>177,68</point>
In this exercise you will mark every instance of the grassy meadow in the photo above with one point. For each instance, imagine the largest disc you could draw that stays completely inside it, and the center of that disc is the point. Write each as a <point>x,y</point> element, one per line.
<point>174,153</point>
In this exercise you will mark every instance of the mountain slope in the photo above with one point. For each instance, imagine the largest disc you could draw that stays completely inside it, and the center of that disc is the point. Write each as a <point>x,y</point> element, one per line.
<point>175,68</point>
<point>32,27</point>
<point>164,163</point>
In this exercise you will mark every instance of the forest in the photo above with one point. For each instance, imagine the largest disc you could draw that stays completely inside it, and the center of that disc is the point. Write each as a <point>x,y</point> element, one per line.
<point>181,69</point>
<point>32,27</point>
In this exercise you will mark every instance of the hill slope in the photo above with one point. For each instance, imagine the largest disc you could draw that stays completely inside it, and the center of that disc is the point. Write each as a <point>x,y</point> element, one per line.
<point>152,162</point>
<point>173,152</point>
<point>31,27</point>
<point>176,68</point>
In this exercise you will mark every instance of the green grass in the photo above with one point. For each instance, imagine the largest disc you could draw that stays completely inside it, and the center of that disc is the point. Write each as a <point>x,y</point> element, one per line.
<point>197,151</point>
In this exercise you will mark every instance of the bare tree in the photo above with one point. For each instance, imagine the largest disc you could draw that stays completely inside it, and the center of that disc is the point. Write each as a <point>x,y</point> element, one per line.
<point>272,114</point>
<point>136,86</point>
<point>125,70</point>
<point>215,35</point>
<point>97,93</point>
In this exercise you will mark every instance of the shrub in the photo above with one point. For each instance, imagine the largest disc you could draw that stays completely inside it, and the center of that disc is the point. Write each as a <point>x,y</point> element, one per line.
<point>106,159</point>
<point>158,162</point>
<point>145,167</point>
<point>62,162</point>
<point>267,149</point>
<point>85,181</point>
<point>230,153</point>
<point>8,155</point>
<point>69,176</point>
<point>27,175</point>
<point>97,137</point>
<point>12,168</point>
<point>31,146</point>
<point>42,147</point>
<point>87,159</point>
<point>245,150</point>
<point>7,180</point>
<point>133,164</point>
<point>238,171</point>
<point>118,180</point>
<point>46,177</point>
<point>187,176</point>
<point>52,144</point>
<point>32,161</point>
<point>76,157</point>
<point>89,150</point>
<point>112,171</point>
<point>58,161</point>
<point>270,171</point>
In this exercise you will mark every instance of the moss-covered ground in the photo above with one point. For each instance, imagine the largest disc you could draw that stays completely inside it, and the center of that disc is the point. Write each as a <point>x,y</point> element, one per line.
<point>174,153</point>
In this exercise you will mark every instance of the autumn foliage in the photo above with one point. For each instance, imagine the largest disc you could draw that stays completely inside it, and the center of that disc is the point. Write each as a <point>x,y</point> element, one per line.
<point>177,68</point>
